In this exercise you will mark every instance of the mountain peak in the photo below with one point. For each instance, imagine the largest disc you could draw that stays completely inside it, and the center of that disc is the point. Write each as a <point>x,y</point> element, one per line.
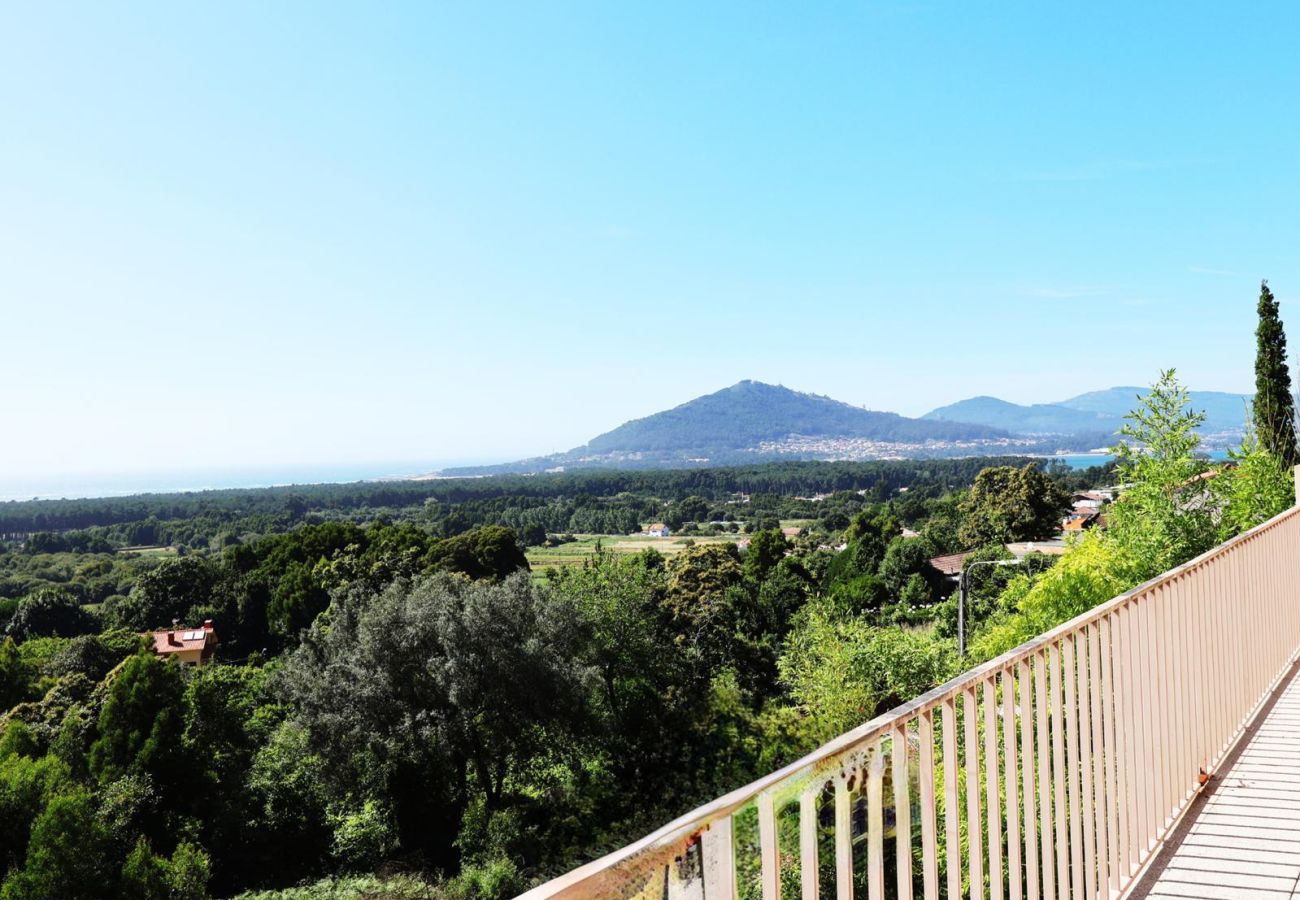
<point>750,413</point>
<point>749,384</point>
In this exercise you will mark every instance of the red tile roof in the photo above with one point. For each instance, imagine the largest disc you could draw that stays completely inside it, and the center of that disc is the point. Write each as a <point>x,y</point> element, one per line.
<point>950,564</point>
<point>177,640</point>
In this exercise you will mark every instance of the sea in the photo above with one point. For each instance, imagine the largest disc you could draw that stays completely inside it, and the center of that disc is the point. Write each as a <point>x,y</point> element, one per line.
<point>1086,460</point>
<point>1083,460</point>
<point>15,486</point>
<point>119,484</point>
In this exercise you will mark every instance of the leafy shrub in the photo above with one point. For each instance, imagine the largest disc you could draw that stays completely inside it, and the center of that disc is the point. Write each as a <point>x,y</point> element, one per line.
<point>842,671</point>
<point>363,835</point>
<point>50,612</point>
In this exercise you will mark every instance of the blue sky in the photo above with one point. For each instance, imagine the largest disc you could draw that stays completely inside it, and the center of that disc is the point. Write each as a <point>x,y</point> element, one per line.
<point>275,234</point>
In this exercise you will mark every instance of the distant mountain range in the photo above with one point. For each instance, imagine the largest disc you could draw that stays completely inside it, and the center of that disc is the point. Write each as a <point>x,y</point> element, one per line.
<point>1095,412</point>
<point>755,422</point>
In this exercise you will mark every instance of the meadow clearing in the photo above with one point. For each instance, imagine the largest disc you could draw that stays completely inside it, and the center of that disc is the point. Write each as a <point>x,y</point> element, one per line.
<point>575,552</point>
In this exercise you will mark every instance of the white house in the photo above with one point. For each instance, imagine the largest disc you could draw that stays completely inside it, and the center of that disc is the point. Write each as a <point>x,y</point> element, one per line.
<point>658,529</point>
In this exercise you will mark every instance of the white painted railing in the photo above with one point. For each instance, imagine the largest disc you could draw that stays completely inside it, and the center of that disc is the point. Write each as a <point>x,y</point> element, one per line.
<point>1053,771</point>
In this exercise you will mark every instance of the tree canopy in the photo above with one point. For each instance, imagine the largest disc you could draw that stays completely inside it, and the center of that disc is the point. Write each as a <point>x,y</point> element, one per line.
<point>1012,504</point>
<point>1274,405</point>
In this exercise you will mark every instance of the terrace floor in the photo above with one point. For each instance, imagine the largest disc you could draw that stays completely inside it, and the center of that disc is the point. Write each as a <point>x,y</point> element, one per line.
<point>1241,838</point>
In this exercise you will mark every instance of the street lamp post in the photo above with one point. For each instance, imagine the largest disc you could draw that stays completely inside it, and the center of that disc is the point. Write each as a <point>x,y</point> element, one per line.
<point>961,597</point>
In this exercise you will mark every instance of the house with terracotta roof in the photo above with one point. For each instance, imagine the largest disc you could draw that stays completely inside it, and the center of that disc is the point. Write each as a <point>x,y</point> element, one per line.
<point>658,529</point>
<point>189,646</point>
<point>950,565</point>
<point>1082,518</point>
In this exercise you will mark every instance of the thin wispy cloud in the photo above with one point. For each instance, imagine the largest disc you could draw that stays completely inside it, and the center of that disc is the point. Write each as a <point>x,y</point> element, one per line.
<point>1205,270</point>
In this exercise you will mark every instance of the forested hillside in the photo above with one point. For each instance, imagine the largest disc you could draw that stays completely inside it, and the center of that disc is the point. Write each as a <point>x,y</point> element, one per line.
<point>755,422</point>
<point>750,412</point>
<point>1047,418</point>
<point>1094,417</point>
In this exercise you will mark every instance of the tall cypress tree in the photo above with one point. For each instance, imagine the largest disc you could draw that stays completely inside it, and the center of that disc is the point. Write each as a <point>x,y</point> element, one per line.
<point>1274,405</point>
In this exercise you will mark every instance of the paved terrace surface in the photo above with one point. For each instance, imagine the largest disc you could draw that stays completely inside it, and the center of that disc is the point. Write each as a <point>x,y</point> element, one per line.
<point>1241,838</point>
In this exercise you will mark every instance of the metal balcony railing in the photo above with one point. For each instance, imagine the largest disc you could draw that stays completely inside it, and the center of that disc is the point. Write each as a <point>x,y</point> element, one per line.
<point>1051,772</point>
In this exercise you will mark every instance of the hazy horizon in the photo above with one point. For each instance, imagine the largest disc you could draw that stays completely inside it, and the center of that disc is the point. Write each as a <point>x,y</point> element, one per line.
<point>70,483</point>
<point>259,237</point>
<point>76,485</point>
<point>84,484</point>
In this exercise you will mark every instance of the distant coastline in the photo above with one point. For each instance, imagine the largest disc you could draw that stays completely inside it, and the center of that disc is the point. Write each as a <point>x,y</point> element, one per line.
<point>73,487</point>
<point>76,487</point>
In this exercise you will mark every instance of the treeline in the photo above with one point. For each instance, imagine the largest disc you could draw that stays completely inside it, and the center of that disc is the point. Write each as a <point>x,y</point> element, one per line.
<point>276,507</point>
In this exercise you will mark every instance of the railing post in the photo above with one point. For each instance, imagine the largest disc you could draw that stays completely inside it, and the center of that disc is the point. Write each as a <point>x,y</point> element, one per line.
<point>719,858</point>
<point>770,866</point>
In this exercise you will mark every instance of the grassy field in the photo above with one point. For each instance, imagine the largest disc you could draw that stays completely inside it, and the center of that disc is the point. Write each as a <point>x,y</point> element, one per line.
<point>149,551</point>
<point>573,554</point>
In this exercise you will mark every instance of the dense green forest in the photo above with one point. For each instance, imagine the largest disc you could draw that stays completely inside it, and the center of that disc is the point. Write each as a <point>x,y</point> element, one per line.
<point>396,693</point>
<point>454,505</point>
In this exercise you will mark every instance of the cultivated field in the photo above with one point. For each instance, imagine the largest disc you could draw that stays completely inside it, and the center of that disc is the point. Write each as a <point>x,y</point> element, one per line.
<point>152,550</point>
<point>573,554</point>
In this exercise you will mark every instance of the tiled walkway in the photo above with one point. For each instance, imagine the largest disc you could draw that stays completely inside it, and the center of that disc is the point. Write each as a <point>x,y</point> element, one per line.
<point>1243,838</point>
